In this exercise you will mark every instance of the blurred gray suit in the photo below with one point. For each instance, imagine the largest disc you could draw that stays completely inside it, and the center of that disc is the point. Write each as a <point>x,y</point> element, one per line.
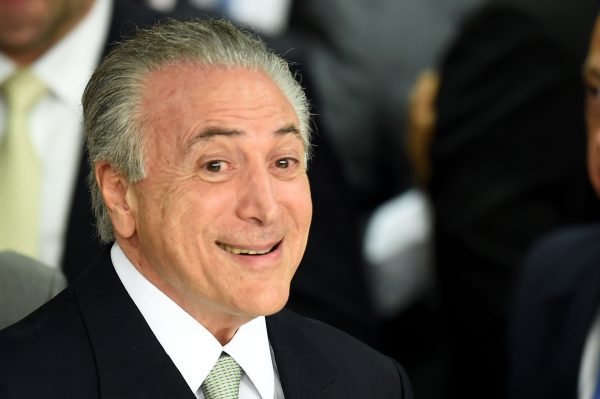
<point>25,284</point>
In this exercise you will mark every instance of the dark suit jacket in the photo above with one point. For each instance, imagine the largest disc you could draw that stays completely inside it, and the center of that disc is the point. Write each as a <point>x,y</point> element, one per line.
<point>92,342</point>
<point>556,300</point>
<point>82,244</point>
<point>508,159</point>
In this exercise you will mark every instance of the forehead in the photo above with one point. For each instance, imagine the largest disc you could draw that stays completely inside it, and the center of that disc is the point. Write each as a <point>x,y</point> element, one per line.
<point>186,94</point>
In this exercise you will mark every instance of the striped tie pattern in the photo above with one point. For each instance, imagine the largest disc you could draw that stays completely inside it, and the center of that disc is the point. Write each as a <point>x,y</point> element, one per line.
<point>223,381</point>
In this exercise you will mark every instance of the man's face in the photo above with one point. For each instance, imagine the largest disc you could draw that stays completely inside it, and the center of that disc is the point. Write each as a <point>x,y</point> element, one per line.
<point>30,27</point>
<point>592,109</point>
<point>222,217</point>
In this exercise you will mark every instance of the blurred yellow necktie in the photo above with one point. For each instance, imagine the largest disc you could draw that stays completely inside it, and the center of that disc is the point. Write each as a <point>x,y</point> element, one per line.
<point>20,168</point>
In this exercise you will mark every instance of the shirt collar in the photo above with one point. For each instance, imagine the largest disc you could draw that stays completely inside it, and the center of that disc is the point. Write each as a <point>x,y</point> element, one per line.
<point>191,347</point>
<point>251,350</point>
<point>68,65</point>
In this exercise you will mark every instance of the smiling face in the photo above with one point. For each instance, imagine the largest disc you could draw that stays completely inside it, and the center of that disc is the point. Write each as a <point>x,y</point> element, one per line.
<point>221,221</point>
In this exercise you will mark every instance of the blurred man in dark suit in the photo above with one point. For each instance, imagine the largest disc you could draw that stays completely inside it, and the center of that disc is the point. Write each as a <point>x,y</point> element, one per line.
<point>554,344</point>
<point>507,167</point>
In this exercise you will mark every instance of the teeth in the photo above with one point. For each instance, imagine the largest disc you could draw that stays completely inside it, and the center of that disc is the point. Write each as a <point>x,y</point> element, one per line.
<point>238,251</point>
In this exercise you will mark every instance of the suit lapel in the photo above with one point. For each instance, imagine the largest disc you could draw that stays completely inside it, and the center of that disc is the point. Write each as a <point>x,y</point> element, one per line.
<point>571,298</point>
<point>304,371</point>
<point>131,362</point>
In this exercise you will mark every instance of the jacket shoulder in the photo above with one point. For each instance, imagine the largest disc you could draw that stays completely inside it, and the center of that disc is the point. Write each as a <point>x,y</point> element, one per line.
<point>49,347</point>
<point>553,305</point>
<point>544,266</point>
<point>357,369</point>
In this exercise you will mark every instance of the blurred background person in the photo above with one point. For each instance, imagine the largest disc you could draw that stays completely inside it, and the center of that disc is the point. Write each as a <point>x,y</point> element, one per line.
<point>48,51</point>
<point>554,344</point>
<point>507,166</point>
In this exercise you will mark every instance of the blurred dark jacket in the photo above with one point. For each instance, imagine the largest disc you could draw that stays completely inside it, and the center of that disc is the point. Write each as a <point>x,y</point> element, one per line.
<point>509,164</point>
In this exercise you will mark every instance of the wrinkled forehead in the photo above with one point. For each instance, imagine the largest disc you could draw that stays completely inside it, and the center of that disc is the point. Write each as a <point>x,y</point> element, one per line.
<point>207,75</point>
<point>180,100</point>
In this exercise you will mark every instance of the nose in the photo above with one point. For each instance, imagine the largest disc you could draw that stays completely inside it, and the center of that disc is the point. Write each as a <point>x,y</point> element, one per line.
<point>257,197</point>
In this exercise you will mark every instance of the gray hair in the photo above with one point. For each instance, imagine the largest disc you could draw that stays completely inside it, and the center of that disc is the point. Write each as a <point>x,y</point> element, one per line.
<point>112,98</point>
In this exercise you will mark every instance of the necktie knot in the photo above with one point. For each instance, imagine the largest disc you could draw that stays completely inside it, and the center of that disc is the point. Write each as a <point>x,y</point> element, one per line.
<point>22,90</point>
<point>223,381</point>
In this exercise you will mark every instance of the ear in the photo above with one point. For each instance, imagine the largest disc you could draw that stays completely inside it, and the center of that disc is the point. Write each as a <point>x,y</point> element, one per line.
<point>117,199</point>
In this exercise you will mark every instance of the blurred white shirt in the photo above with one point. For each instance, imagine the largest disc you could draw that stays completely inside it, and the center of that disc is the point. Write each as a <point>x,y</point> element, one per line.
<point>589,368</point>
<point>397,248</point>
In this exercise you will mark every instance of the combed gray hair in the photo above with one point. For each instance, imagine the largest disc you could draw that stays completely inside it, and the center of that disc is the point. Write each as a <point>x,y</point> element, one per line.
<point>112,98</point>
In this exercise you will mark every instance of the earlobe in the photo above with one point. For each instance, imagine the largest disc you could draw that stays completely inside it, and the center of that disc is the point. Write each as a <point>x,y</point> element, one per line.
<point>117,199</point>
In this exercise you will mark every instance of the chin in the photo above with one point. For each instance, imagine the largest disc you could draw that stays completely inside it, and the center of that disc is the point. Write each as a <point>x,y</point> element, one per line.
<point>268,301</point>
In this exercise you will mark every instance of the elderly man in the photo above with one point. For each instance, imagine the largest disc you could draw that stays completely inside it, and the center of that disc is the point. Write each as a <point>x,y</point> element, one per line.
<point>198,139</point>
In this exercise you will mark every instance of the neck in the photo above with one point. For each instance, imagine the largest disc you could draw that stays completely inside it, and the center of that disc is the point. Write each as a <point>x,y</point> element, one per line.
<point>219,321</point>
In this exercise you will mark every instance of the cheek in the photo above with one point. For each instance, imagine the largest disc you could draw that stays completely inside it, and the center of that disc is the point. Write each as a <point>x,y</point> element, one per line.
<point>593,128</point>
<point>301,205</point>
<point>195,215</point>
<point>307,217</point>
<point>162,209</point>
<point>306,203</point>
<point>593,150</point>
<point>592,116</point>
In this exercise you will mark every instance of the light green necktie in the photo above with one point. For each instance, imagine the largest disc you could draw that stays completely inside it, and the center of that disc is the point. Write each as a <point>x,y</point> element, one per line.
<point>20,169</point>
<point>223,381</point>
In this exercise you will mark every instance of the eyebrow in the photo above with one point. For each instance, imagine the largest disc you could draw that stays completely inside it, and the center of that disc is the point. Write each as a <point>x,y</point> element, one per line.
<point>210,132</point>
<point>289,129</point>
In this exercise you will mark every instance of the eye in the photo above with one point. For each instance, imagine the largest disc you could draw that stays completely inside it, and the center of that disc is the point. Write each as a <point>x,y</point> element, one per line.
<point>289,163</point>
<point>216,170</point>
<point>287,167</point>
<point>283,163</point>
<point>214,166</point>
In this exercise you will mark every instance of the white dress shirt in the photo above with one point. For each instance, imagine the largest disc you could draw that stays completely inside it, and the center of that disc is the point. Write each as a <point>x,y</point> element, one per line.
<point>55,122</point>
<point>191,347</point>
<point>588,370</point>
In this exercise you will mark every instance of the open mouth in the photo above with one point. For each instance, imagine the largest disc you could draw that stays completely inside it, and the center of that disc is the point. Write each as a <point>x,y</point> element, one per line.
<point>247,251</point>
